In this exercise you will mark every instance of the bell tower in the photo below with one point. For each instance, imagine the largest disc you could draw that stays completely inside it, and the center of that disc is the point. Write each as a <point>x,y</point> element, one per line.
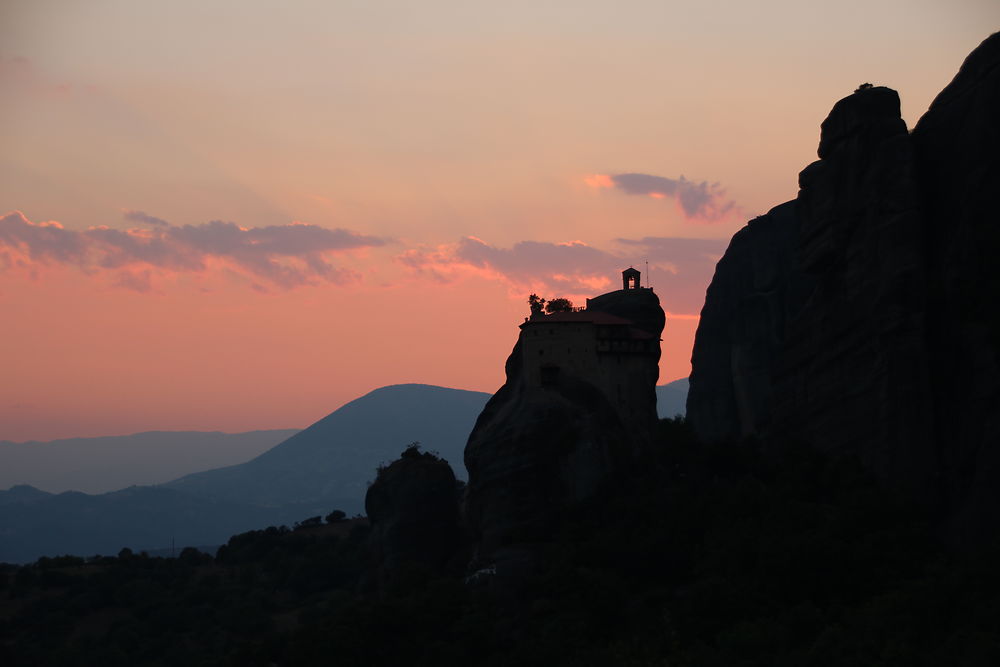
<point>630,278</point>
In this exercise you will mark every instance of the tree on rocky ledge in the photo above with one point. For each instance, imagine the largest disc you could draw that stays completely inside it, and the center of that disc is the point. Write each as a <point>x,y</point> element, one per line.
<point>559,305</point>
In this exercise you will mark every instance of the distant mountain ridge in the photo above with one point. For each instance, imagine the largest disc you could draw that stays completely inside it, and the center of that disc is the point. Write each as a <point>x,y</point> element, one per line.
<point>324,467</point>
<point>671,399</point>
<point>34,523</point>
<point>331,462</point>
<point>305,468</point>
<point>108,463</point>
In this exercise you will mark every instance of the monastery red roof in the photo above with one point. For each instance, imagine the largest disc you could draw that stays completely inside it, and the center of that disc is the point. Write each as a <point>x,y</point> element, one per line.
<point>595,316</point>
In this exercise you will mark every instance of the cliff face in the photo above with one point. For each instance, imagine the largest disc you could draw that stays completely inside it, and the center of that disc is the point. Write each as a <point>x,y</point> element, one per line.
<point>578,404</point>
<point>852,372</point>
<point>859,317</point>
<point>756,289</point>
<point>957,143</point>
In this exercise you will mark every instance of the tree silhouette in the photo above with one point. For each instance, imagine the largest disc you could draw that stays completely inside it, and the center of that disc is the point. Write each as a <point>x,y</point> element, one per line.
<point>559,305</point>
<point>536,304</point>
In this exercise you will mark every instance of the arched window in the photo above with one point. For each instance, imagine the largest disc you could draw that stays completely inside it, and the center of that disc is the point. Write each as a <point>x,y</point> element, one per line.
<point>630,278</point>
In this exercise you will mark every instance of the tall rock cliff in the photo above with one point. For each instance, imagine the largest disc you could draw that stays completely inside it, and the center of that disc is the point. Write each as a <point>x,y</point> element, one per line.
<point>957,147</point>
<point>413,509</point>
<point>578,406</point>
<point>860,317</point>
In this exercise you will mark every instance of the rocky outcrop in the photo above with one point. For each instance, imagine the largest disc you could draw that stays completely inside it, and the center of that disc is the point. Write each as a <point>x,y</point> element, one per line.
<point>860,318</point>
<point>852,372</point>
<point>413,509</point>
<point>641,307</point>
<point>957,144</point>
<point>571,417</point>
<point>757,287</point>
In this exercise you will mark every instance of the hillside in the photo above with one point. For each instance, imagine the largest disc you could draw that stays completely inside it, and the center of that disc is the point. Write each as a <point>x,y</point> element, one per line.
<point>325,467</point>
<point>98,465</point>
<point>671,398</point>
<point>38,524</point>
<point>713,556</point>
<point>329,464</point>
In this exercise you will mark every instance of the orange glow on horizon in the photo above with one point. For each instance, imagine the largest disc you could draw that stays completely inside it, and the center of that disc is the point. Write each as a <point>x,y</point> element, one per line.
<point>178,358</point>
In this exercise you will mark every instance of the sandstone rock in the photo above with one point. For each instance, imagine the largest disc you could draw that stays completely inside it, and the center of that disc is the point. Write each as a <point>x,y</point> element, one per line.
<point>874,331</point>
<point>957,143</point>
<point>851,375</point>
<point>757,286</point>
<point>413,509</point>
<point>827,345</point>
<point>578,406</point>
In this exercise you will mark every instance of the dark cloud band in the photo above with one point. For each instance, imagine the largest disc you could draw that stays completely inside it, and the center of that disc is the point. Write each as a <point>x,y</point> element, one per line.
<point>143,217</point>
<point>682,268</point>
<point>283,255</point>
<point>702,201</point>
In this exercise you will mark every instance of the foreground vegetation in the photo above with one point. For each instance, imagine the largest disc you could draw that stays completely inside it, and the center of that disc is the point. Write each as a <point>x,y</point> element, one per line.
<point>708,556</point>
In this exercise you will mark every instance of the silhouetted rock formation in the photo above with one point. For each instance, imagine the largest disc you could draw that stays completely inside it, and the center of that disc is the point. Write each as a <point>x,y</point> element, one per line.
<point>579,403</point>
<point>957,144</point>
<point>413,509</point>
<point>756,288</point>
<point>860,317</point>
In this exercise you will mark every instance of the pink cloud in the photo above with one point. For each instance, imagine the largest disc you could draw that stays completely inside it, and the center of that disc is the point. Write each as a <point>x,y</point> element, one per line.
<point>143,218</point>
<point>285,256</point>
<point>681,268</point>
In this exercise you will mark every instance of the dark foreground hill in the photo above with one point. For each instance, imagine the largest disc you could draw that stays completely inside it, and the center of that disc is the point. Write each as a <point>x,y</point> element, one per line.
<point>712,556</point>
<point>99,465</point>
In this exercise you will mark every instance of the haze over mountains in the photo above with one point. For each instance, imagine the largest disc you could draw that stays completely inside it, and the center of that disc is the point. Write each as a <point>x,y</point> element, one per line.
<point>671,399</point>
<point>99,465</point>
<point>324,467</point>
<point>329,464</point>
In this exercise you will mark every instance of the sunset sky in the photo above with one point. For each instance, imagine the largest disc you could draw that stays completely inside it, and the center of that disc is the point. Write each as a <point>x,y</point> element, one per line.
<point>232,215</point>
